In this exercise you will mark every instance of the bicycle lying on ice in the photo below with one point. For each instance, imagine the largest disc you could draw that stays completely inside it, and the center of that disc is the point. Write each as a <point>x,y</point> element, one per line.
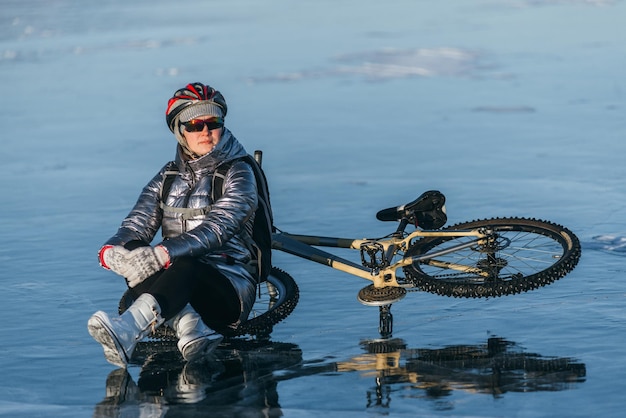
<point>482,258</point>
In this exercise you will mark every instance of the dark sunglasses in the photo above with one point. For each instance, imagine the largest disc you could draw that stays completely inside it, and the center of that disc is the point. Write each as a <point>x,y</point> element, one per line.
<point>197,125</point>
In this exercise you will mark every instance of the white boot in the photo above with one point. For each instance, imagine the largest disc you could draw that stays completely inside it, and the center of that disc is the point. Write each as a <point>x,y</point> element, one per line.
<point>120,335</point>
<point>195,339</point>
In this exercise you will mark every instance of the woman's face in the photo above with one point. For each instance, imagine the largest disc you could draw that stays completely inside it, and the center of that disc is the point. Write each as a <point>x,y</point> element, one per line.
<point>204,140</point>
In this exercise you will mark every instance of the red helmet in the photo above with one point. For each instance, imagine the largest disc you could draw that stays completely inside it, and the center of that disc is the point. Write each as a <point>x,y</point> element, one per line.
<point>189,95</point>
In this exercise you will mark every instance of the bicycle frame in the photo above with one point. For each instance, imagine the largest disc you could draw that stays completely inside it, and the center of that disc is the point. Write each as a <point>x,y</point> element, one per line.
<point>381,271</point>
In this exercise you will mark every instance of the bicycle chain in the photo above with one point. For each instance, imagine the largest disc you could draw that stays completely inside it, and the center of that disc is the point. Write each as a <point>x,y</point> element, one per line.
<point>442,276</point>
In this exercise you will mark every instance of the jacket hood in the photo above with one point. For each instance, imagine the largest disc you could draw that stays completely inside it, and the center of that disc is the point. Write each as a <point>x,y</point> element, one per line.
<point>226,150</point>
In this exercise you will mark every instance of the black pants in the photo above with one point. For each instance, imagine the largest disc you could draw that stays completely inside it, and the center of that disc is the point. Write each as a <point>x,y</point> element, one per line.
<point>188,280</point>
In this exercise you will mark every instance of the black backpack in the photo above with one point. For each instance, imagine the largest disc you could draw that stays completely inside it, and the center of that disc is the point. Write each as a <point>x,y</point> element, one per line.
<point>261,247</point>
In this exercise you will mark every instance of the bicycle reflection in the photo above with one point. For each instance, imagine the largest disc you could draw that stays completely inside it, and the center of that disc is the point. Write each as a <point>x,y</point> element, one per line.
<point>494,368</point>
<point>243,378</point>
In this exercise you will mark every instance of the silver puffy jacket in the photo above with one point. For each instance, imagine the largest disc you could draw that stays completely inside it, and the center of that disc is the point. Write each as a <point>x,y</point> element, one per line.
<point>191,223</point>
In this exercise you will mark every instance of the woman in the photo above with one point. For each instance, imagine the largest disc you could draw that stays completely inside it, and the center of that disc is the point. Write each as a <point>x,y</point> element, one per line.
<point>195,279</point>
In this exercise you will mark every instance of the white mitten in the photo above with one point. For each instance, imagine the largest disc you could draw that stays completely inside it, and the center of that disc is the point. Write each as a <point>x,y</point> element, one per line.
<point>114,258</point>
<point>143,262</point>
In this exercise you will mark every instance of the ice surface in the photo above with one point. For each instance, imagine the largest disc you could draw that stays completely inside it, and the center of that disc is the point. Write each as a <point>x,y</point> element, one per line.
<point>511,108</point>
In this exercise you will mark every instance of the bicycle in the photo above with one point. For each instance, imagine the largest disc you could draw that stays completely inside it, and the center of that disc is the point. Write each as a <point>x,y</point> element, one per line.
<point>482,258</point>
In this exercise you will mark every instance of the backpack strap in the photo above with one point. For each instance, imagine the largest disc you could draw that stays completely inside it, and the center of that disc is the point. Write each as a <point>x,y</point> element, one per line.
<point>217,184</point>
<point>168,179</point>
<point>186,213</point>
<point>219,176</point>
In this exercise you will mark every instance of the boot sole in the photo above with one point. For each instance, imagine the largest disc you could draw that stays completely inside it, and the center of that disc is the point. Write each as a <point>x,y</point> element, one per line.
<point>113,351</point>
<point>201,347</point>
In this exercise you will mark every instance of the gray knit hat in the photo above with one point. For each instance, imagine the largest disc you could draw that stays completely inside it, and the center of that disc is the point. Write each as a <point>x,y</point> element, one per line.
<point>202,108</point>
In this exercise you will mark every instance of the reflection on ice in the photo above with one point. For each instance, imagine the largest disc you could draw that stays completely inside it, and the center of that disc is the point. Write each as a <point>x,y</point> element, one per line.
<point>494,368</point>
<point>236,381</point>
<point>244,376</point>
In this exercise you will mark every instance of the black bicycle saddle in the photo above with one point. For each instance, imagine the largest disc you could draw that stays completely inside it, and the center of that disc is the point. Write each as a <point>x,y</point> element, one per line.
<point>427,211</point>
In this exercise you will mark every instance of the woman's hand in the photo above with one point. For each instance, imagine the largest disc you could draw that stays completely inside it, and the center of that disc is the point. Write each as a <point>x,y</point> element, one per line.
<point>114,258</point>
<point>143,262</point>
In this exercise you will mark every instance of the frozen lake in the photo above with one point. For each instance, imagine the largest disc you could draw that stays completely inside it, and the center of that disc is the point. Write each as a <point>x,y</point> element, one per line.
<point>510,108</point>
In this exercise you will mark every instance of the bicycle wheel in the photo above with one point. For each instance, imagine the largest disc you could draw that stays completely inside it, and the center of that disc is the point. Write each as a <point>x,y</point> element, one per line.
<point>525,255</point>
<point>276,299</point>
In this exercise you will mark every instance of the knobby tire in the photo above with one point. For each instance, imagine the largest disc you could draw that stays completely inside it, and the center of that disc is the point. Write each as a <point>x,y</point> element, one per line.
<point>528,254</point>
<point>270,309</point>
